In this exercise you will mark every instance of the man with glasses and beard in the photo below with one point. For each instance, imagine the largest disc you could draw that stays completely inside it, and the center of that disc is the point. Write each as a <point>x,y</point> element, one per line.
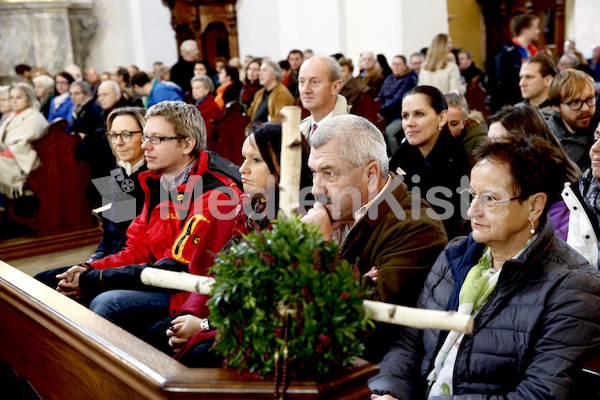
<point>572,93</point>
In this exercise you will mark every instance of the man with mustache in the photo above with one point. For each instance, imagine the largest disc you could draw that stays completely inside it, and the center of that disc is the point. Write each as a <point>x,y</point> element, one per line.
<point>572,93</point>
<point>391,234</point>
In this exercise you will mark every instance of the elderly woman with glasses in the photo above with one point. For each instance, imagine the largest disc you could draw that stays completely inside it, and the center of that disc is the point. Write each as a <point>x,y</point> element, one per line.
<point>534,299</point>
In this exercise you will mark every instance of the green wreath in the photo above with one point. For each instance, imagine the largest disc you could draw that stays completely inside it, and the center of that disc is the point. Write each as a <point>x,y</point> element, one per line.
<point>288,268</point>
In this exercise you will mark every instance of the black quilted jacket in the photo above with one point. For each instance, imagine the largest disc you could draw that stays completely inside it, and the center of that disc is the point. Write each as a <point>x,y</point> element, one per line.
<point>530,339</point>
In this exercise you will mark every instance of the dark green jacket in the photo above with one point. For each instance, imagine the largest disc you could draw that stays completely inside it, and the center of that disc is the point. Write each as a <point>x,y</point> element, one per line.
<point>474,136</point>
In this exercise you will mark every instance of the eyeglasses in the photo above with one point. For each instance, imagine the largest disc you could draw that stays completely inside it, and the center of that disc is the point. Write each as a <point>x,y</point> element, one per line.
<point>576,105</point>
<point>125,136</point>
<point>159,139</point>
<point>485,199</point>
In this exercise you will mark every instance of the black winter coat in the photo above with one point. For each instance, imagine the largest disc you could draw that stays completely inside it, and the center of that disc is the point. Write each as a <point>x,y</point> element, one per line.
<point>530,339</point>
<point>440,177</point>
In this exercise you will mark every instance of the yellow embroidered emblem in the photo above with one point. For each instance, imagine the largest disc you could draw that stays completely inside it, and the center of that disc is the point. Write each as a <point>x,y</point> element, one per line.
<point>187,232</point>
<point>180,197</point>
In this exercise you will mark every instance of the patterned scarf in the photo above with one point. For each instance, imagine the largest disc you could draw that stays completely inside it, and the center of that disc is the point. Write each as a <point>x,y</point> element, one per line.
<point>244,225</point>
<point>474,293</point>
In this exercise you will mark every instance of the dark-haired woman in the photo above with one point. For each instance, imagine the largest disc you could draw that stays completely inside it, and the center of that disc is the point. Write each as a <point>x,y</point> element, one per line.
<point>527,120</point>
<point>61,105</point>
<point>251,84</point>
<point>430,159</point>
<point>260,176</point>
<point>533,298</point>
<point>230,87</point>
<point>203,68</point>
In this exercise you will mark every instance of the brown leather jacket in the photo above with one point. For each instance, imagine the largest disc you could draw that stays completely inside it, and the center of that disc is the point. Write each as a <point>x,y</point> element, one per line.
<point>280,97</point>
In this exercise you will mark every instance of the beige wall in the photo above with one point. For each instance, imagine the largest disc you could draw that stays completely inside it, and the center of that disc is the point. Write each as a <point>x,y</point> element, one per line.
<point>465,25</point>
<point>583,16</point>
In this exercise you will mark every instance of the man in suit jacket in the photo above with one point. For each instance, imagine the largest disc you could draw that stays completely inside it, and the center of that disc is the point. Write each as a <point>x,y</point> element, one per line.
<point>319,84</point>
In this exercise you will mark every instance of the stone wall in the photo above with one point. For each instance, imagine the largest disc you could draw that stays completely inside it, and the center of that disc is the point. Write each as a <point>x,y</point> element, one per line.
<point>47,34</point>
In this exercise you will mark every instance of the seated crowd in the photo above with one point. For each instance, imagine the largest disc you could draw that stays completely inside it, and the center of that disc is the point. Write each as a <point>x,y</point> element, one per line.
<point>438,211</point>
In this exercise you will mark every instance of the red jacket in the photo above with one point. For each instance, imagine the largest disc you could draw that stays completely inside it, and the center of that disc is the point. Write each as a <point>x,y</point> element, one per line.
<point>210,111</point>
<point>198,217</point>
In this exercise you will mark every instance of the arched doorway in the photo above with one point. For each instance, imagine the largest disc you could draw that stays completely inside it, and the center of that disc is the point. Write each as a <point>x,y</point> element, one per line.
<point>212,23</point>
<point>215,41</point>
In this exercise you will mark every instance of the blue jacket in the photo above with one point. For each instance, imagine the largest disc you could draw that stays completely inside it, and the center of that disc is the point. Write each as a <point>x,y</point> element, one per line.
<point>162,91</point>
<point>530,339</point>
<point>64,111</point>
<point>391,94</point>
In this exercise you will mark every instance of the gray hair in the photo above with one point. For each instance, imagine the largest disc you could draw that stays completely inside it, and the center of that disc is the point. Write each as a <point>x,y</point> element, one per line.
<point>205,80</point>
<point>187,45</point>
<point>162,71</point>
<point>467,53</point>
<point>46,81</point>
<point>27,89</point>
<point>275,68</point>
<point>4,91</point>
<point>572,59</point>
<point>333,67</point>
<point>335,71</point>
<point>75,71</point>
<point>186,120</point>
<point>84,85</point>
<point>360,142</point>
<point>115,86</point>
<point>457,100</point>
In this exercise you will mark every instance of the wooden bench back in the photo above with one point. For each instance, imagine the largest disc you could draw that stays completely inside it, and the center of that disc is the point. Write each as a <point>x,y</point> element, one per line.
<point>366,106</point>
<point>59,184</point>
<point>63,350</point>
<point>475,96</point>
<point>229,132</point>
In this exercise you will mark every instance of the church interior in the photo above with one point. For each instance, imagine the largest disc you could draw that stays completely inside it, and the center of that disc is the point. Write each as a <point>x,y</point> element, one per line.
<point>56,211</point>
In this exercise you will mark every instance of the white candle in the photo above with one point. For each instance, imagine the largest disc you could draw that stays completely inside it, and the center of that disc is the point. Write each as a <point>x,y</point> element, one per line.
<point>290,161</point>
<point>381,312</point>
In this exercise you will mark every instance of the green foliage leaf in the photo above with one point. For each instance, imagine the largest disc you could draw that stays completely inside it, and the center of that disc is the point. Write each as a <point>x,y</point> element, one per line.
<point>291,265</point>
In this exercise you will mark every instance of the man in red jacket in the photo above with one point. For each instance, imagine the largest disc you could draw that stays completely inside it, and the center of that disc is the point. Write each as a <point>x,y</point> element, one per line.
<point>189,207</point>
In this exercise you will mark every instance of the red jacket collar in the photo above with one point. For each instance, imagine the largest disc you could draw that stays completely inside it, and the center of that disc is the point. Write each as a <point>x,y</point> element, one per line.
<point>199,169</point>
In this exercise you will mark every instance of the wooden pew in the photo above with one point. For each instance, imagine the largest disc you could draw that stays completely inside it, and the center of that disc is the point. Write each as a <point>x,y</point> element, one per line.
<point>229,133</point>
<point>60,349</point>
<point>475,96</point>
<point>589,386</point>
<point>58,183</point>
<point>366,106</point>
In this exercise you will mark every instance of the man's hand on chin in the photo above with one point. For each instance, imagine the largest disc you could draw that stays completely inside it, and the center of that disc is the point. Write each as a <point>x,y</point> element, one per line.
<point>319,216</point>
